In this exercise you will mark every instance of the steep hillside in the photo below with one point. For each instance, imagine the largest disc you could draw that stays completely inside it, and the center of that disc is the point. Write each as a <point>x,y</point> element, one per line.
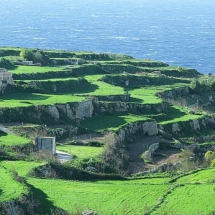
<point>136,130</point>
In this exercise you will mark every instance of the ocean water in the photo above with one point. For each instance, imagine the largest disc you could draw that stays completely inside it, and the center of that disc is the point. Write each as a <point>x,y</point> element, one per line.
<point>176,32</point>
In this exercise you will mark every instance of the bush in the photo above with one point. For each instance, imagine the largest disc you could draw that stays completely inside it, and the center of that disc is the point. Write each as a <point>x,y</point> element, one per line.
<point>36,56</point>
<point>213,163</point>
<point>4,63</point>
<point>95,144</point>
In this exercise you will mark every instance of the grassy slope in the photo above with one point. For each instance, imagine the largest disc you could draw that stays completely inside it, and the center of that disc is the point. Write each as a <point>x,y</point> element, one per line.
<point>108,197</point>
<point>9,189</point>
<point>127,197</point>
<point>189,199</point>
<point>81,151</point>
<point>111,122</point>
<point>28,99</point>
<point>12,140</point>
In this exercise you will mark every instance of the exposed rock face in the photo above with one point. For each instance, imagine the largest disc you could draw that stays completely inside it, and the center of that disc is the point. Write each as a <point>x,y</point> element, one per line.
<point>88,212</point>
<point>11,208</point>
<point>84,109</point>
<point>132,107</point>
<point>135,130</point>
<point>211,98</point>
<point>66,110</point>
<point>189,125</point>
<point>175,128</point>
<point>52,111</point>
<point>195,124</point>
<point>177,145</point>
<point>150,128</point>
<point>174,93</point>
<point>148,154</point>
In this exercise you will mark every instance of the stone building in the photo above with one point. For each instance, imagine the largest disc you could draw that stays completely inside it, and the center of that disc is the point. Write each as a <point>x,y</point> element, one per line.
<point>5,78</point>
<point>46,144</point>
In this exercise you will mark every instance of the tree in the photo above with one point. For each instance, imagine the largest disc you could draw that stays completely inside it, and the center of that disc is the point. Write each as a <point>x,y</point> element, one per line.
<point>41,57</point>
<point>33,55</point>
<point>209,156</point>
<point>27,54</point>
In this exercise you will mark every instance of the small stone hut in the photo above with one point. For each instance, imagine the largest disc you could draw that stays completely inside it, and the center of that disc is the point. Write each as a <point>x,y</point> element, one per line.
<point>46,144</point>
<point>5,78</point>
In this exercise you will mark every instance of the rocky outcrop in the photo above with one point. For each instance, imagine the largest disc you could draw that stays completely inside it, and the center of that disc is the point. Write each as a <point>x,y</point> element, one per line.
<point>175,128</point>
<point>48,114</point>
<point>52,111</point>
<point>174,93</point>
<point>119,107</point>
<point>136,130</point>
<point>195,124</point>
<point>66,109</point>
<point>148,154</point>
<point>181,127</point>
<point>84,109</point>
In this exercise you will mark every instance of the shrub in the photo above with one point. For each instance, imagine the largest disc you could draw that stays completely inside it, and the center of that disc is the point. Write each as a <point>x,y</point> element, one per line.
<point>213,163</point>
<point>4,63</point>
<point>209,156</point>
<point>95,143</point>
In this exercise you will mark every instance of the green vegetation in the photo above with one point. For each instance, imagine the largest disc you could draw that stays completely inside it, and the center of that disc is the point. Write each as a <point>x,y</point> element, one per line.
<point>112,122</point>
<point>81,151</point>
<point>126,197</point>
<point>116,100</point>
<point>28,99</point>
<point>194,199</point>
<point>12,140</point>
<point>36,69</point>
<point>9,188</point>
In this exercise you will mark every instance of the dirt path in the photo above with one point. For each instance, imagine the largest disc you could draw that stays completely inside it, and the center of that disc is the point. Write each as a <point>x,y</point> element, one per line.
<point>137,164</point>
<point>63,156</point>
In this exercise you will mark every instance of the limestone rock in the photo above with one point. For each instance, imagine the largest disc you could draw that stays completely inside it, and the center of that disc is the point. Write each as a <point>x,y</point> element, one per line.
<point>211,98</point>
<point>175,128</point>
<point>52,111</point>
<point>88,212</point>
<point>84,109</point>
<point>67,110</point>
<point>150,128</point>
<point>148,154</point>
<point>195,124</point>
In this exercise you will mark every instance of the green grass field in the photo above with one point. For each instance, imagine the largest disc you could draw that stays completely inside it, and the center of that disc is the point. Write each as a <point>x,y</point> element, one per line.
<point>105,197</point>
<point>111,122</point>
<point>22,167</point>
<point>81,151</point>
<point>179,114</point>
<point>189,199</point>
<point>9,189</point>
<point>203,176</point>
<point>102,87</point>
<point>189,194</point>
<point>12,140</point>
<point>28,99</point>
<point>37,69</point>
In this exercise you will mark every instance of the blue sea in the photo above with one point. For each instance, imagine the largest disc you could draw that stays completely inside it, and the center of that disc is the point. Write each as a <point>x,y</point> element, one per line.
<point>178,32</point>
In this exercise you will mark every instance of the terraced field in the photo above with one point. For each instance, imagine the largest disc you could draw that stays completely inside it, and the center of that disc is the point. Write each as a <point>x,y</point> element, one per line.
<point>120,99</point>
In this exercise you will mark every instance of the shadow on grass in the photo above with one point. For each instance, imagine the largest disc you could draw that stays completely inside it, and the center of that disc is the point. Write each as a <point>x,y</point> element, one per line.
<point>136,100</point>
<point>92,88</point>
<point>45,205</point>
<point>104,122</point>
<point>2,133</point>
<point>25,96</point>
<point>13,67</point>
<point>174,113</point>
